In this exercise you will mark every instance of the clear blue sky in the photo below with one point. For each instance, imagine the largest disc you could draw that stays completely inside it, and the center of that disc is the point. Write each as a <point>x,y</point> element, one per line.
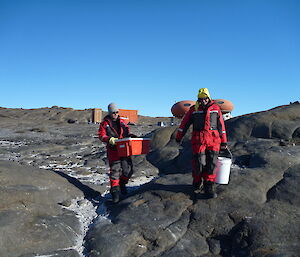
<point>148,54</point>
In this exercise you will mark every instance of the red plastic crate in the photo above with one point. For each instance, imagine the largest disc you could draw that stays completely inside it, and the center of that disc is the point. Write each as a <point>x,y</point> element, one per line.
<point>133,146</point>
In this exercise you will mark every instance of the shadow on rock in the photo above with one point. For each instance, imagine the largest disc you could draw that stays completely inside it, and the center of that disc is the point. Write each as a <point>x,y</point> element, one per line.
<point>87,191</point>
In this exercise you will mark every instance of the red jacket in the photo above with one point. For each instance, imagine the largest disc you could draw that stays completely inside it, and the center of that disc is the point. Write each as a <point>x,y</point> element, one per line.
<point>208,126</point>
<point>106,131</point>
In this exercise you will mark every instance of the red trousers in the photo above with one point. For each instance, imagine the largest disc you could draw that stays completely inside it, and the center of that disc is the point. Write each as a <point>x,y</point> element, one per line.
<point>121,168</point>
<point>204,162</point>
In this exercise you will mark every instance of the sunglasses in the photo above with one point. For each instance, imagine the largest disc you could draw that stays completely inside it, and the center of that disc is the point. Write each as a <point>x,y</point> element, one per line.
<point>115,112</point>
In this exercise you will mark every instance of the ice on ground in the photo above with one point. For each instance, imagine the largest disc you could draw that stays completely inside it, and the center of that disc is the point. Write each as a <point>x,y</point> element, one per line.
<point>48,255</point>
<point>11,144</point>
<point>90,212</point>
<point>85,211</point>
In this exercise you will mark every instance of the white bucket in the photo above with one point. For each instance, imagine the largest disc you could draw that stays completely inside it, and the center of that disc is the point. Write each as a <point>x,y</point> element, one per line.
<point>222,170</point>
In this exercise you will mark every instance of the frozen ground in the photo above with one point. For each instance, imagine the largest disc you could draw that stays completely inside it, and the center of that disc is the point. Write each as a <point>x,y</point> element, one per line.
<point>91,211</point>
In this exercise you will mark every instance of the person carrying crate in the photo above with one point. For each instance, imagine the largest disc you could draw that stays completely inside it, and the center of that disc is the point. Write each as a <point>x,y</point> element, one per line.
<point>208,136</point>
<point>121,168</point>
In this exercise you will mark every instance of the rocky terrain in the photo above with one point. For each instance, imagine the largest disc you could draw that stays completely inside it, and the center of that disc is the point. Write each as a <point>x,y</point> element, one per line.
<point>54,200</point>
<point>54,179</point>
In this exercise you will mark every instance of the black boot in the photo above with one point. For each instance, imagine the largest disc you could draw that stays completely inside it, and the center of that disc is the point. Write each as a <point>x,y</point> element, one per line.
<point>197,186</point>
<point>115,194</point>
<point>123,188</point>
<point>209,189</point>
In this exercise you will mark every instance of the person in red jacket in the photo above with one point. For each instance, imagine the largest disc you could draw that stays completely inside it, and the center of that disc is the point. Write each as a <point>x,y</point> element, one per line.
<point>121,168</point>
<point>208,136</point>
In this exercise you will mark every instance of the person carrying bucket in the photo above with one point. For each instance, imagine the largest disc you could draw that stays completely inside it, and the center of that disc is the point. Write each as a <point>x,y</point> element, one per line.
<point>121,168</point>
<point>208,137</point>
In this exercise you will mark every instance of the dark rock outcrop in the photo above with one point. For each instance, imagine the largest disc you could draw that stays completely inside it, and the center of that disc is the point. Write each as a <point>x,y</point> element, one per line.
<point>32,219</point>
<point>282,122</point>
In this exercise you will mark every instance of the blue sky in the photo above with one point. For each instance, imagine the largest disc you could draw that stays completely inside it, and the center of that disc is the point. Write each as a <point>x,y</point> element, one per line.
<point>148,54</point>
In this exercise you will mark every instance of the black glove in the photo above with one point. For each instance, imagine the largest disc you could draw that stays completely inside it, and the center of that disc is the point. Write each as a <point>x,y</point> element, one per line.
<point>223,146</point>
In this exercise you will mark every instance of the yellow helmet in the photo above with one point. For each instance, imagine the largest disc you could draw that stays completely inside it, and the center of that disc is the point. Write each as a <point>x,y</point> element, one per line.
<point>203,93</point>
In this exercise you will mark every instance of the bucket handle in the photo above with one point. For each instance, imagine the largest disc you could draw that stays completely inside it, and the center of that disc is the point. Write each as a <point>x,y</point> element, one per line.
<point>227,150</point>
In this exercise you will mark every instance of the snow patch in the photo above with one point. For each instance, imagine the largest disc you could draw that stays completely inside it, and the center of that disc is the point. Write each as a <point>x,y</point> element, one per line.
<point>85,211</point>
<point>90,211</point>
<point>11,144</point>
